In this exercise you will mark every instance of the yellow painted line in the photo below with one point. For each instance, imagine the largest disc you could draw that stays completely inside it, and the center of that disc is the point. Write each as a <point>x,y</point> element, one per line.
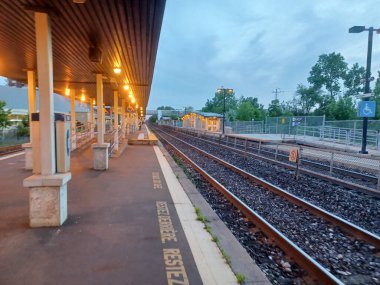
<point>12,155</point>
<point>211,266</point>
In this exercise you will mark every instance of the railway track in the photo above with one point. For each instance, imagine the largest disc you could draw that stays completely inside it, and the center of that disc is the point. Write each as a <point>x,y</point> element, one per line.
<point>10,149</point>
<point>281,158</point>
<point>278,198</point>
<point>357,207</point>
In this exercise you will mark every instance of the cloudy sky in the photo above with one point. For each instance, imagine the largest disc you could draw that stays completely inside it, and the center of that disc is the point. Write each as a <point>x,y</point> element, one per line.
<point>254,46</point>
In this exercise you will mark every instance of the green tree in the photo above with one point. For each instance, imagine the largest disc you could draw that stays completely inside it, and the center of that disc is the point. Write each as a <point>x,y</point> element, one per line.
<point>188,109</point>
<point>245,112</point>
<point>376,92</point>
<point>342,109</point>
<point>249,109</point>
<point>152,119</point>
<point>274,108</point>
<point>328,72</point>
<point>215,105</point>
<point>353,80</point>
<point>23,127</point>
<point>174,117</point>
<point>323,107</point>
<point>306,99</point>
<point>4,117</point>
<point>165,108</point>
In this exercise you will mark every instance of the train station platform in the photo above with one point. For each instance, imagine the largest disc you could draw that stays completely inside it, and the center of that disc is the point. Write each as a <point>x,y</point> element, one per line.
<point>131,224</point>
<point>143,136</point>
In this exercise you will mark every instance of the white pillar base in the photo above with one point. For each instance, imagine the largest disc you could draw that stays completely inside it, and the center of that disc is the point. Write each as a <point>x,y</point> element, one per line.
<point>28,156</point>
<point>47,199</point>
<point>100,155</point>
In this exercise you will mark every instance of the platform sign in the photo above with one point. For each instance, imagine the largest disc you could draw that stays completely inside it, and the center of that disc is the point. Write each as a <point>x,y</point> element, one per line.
<point>293,154</point>
<point>367,109</point>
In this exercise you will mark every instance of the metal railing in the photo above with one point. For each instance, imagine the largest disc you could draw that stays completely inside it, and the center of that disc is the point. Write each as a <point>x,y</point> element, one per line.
<point>112,141</point>
<point>338,135</point>
<point>82,136</point>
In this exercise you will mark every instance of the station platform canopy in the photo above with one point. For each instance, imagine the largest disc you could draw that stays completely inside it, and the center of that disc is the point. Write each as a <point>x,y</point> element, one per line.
<point>88,37</point>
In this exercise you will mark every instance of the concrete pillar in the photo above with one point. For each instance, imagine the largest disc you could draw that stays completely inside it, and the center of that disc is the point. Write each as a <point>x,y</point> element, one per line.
<point>123,119</point>
<point>92,121</point>
<point>73,120</point>
<point>115,119</point>
<point>31,109</point>
<point>48,190</point>
<point>100,149</point>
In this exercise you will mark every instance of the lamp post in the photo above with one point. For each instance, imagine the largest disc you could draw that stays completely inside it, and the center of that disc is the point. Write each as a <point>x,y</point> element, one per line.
<point>355,30</point>
<point>224,91</point>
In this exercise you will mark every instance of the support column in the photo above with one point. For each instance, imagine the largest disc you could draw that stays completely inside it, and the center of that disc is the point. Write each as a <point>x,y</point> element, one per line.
<point>73,120</point>
<point>123,120</point>
<point>48,190</point>
<point>92,121</point>
<point>31,109</point>
<point>100,149</point>
<point>115,118</point>
<point>128,123</point>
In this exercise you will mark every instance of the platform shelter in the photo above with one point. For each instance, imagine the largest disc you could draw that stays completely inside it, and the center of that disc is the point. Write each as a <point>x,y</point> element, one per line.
<point>101,53</point>
<point>202,121</point>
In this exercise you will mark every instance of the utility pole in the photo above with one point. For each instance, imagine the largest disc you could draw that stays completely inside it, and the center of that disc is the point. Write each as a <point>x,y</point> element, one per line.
<point>277,91</point>
<point>367,90</point>
<point>224,91</point>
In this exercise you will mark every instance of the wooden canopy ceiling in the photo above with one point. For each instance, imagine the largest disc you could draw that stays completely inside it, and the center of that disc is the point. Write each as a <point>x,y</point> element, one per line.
<point>126,32</point>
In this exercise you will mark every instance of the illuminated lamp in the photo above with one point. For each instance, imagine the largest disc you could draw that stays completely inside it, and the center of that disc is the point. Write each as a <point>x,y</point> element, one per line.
<point>126,87</point>
<point>117,70</point>
<point>83,97</point>
<point>67,92</point>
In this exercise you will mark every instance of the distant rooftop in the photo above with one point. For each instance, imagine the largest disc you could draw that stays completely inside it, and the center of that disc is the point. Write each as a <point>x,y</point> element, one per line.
<point>207,115</point>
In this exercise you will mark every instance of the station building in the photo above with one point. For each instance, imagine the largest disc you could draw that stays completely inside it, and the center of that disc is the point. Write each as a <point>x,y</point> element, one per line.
<point>202,121</point>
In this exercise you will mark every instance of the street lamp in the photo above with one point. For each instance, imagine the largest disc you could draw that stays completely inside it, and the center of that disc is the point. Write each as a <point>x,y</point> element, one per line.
<point>355,30</point>
<point>224,91</point>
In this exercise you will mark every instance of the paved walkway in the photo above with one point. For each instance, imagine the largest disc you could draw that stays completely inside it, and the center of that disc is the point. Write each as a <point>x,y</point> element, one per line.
<point>123,228</point>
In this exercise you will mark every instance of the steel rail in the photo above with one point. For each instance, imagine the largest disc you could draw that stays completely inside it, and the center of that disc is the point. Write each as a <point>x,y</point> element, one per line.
<point>324,177</point>
<point>317,271</point>
<point>10,149</point>
<point>346,226</point>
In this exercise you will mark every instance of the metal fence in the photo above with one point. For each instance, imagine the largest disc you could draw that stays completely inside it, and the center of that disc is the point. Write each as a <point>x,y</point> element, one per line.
<point>12,136</point>
<point>347,132</point>
<point>248,127</point>
<point>289,125</point>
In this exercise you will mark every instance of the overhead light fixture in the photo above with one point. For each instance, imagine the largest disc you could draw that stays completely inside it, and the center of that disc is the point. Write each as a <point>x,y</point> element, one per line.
<point>126,87</point>
<point>83,97</point>
<point>67,92</point>
<point>137,106</point>
<point>93,101</point>
<point>117,70</point>
<point>133,100</point>
<point>79,1</point>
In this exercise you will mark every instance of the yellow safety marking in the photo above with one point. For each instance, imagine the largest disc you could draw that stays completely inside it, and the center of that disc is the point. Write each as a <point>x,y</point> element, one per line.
<point>157,184</point>
<point>175,270</point>
<point>167,231</point>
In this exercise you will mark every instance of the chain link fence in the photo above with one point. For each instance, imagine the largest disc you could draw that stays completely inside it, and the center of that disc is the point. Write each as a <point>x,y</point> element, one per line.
<point>12,136</point>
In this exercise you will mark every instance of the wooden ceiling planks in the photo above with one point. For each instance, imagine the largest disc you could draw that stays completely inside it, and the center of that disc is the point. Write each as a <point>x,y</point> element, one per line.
<point>127,32</point>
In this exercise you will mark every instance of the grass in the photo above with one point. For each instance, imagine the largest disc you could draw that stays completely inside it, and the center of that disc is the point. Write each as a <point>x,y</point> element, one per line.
<point>200,217</point>
<point>240,278</point>
<point>208,228</point>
